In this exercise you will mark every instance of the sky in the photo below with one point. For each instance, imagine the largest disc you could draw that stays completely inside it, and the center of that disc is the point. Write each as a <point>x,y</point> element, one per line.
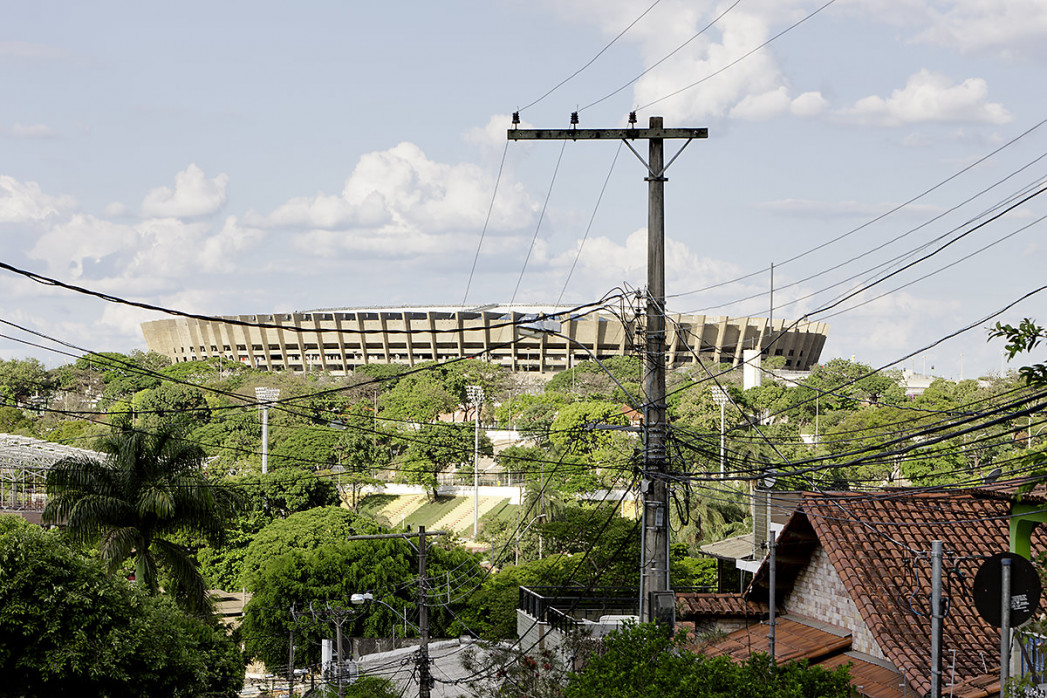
<point>257,157</point>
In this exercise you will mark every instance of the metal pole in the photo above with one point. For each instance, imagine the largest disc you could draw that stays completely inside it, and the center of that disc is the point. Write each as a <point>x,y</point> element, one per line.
<point>290,665</point>
<point>772,603</point>
<point>476,473</point>
<point>1005,624</point>
<point>723,441</point>
<point>341,667</point>
<point>265,438</point>
<point>936,619</point>
<point>423,620</point>
<point>656,500</point>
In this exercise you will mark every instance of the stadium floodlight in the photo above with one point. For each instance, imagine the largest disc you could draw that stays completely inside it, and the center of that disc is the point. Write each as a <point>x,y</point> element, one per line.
<point>266,396</point>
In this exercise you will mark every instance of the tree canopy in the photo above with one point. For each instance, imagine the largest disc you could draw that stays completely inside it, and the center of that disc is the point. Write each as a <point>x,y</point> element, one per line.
<point>68,628</point>
<point>149,487</point>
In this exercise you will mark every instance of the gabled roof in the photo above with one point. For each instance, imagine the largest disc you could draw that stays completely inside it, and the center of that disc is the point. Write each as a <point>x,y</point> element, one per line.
<point>879,545</point>
<point>693,606</point>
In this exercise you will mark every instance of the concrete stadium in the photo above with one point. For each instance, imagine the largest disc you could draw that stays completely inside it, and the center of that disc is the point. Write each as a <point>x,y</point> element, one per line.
<point>338,340</point>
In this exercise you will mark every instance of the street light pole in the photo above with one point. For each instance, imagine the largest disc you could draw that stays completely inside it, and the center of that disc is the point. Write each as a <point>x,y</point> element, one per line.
<point>476,397</point>
<point>266,396</point>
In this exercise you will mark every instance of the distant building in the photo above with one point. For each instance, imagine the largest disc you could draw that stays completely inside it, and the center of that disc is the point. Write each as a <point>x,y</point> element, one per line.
<point>340,340</point>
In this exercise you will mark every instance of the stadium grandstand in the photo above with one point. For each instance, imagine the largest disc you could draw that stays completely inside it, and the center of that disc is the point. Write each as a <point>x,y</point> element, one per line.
<point>338,340</point>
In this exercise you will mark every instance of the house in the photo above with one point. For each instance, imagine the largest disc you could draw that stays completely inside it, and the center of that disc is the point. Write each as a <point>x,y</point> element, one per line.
<point>853,581</point>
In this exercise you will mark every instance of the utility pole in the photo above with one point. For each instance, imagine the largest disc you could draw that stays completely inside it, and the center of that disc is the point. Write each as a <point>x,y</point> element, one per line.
<point>654,575</point>
<point>1005,624</point>
<point>936,619</point>
<point>425,681</point>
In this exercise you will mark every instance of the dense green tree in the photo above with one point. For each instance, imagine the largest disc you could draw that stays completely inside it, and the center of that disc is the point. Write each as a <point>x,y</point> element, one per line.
<point>124,374</point>
<point>532,414</point>
<point>308,447</point>
<point>845,385</point>
<point>170,402</point>
<point>21,379</point>
<point>67,628</point>
<point>645,660</point>
<point>432,448</point>
<point>319,581</point>
<point>147,488</point>
<point>421,397</point>
<point>581,429</point>
<point>14,421</point>
<point>265,498</point>
<point>603,380</point>
<point>303,530</point>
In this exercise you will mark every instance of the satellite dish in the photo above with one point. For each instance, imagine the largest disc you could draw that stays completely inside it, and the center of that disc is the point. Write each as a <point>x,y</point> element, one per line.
<point>1025,590</point>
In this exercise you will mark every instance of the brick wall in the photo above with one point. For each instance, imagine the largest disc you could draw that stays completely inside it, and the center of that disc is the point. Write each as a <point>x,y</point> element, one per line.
<point>820,594</point>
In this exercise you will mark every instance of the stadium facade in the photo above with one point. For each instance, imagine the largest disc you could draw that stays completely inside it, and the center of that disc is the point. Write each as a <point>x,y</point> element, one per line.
<point>338,340</point>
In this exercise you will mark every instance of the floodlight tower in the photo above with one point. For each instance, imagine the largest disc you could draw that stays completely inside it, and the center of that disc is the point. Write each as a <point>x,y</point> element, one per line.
<point>266,396</point>
<point>476,397</point>
<point>720,398</point>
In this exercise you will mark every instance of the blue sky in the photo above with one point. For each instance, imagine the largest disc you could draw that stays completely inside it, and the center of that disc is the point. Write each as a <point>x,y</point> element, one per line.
<point>237,157</point>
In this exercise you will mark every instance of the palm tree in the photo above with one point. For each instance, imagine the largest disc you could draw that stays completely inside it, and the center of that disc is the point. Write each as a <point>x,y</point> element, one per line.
<point>148,488</point>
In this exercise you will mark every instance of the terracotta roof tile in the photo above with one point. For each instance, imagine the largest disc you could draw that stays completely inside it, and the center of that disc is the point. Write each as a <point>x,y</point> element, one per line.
<point>794,639</point>
<point>879,544</point>
<point>693,605</point>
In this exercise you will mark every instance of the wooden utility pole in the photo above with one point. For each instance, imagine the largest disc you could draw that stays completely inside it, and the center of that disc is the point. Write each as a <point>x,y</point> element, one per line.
<point>654,573</point>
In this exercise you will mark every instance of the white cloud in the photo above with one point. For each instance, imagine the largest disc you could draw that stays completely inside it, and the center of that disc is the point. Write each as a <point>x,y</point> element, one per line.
<point>1012,29</point>
<point>220,252</point>
<point>193,196</point>
<point>22,202</point>
<point>66,245</point>
<point>115,210</point>
<point>400,202</point>
<point>808,104</point>
<point>26,50</point>
<point>32,131</point>
<point>929,97</point>
<point>604,263</point>
<point>492,136</point>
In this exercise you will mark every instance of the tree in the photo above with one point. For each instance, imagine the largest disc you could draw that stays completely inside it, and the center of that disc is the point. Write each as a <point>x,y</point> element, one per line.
<point>265,498</point>
<point>148,488</point>
<point>67,628</point>
<point>421,397</point>
<point>303,530</point>
<point>319,580</point>
<point>170,402</point>
<point>310,447</point>
<point>646,660</point>
<point>433,448</point>
<point>21,379</point>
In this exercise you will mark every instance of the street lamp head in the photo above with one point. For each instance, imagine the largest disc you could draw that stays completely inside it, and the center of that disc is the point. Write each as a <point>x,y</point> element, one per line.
<point>475,394</point>
<point>265,394</point>
<point>361,599</point>
<point>720,396</point>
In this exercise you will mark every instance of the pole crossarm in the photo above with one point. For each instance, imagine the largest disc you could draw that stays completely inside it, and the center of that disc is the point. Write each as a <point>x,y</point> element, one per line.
<point>598,134</point>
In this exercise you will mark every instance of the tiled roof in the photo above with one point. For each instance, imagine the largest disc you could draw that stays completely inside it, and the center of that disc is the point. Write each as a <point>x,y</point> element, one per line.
<point>1009,490</point>
<point>873,678</point>
<point>692,605</point>
<point>794,639</point>
<point>879,545</point>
